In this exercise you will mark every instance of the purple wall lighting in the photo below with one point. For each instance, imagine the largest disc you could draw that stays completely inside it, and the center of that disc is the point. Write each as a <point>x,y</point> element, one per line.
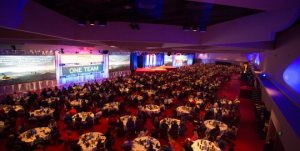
<point>291,75</point>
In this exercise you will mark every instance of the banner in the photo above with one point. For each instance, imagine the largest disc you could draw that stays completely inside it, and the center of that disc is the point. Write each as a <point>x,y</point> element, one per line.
<point>76,70</point>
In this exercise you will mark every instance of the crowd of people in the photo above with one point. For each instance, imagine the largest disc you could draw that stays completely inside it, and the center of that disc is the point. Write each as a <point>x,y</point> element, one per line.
<point>141,98</point>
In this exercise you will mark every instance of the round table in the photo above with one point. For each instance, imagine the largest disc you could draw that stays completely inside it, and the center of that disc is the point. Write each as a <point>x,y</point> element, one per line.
<point>83,116</point>
<point>112,106</point>
<point>169,122</point>
<point>42,112</point>
<point>50,100</point>
<point>211,124</point>
<point>168,101</point>
<point>138,97</point>
<point>195,101</point>
<point>30,135</point>
<point>181,110</point>
<point>150,92</point>
<point>125,118</point>
<point>142,143</point>
<point>151,109</point>
<point>76,102</point>
<point>204,145</point>
<point>17,108</point>
<point>89,141</point>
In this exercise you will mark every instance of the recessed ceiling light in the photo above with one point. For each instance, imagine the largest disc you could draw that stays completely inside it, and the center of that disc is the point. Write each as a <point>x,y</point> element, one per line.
<point>112,46</point>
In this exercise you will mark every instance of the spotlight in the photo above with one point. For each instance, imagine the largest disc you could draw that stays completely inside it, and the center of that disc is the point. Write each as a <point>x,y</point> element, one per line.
<point>264,76</point>
<point>91,23</point>
<point>195,29</point>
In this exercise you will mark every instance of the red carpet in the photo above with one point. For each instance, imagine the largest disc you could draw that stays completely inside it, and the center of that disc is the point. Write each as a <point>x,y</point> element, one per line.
<point>247,138</point>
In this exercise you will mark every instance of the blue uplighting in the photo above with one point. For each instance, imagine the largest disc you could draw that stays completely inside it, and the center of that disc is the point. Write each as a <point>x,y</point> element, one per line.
<point>264,76</point>
<point>291,75</point>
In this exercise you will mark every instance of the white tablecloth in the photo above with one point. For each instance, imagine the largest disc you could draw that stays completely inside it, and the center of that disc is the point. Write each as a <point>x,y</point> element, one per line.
<point>204,145</point>
<point>211,124</point>
<point>169,121</point>
<point>151,109</point>
<point>113,106</point>
<point>142,143</point>
<point>42,112</point>
<point>50,100</point>
<point>17,108</point>
<point>42,132</point>
<point>183,110</point>
<point>76,102</point>
<point>92,139</point>
<point>195,101</point>
<point>83,116</point>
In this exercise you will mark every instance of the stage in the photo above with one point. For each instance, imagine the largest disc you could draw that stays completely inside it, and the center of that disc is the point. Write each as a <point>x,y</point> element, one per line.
<point>154,69</point>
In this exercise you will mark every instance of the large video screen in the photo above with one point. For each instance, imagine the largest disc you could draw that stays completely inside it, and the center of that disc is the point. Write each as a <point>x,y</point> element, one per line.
<point>119,62</point>
<point>180,60</point>
<point>168,60</point>
<point>22,69</point>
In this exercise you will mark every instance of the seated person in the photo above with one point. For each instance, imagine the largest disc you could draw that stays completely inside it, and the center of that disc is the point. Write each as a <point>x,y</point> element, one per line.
<point>68,118</point>
<point>73,111</point>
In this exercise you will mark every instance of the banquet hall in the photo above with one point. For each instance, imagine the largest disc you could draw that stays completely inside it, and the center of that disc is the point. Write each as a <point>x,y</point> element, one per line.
<point>149,75</point>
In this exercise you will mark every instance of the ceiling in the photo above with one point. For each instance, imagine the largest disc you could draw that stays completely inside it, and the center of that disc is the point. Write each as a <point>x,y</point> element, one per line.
<point>169,12</point>
<point>154,17</point>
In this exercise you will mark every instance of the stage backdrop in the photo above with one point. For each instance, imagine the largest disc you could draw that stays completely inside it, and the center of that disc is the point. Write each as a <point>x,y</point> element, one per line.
<point>80,68</point>
<point>25,69</point>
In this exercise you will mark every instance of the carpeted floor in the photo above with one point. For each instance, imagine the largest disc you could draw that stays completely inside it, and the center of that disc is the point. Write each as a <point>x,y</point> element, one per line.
<point>247,139</point>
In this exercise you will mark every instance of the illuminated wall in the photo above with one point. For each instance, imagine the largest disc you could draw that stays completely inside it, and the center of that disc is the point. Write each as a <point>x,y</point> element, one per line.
<point>282,64</point>
<point>291,75</point>
<point>23,69</point>
<point>79,68</point>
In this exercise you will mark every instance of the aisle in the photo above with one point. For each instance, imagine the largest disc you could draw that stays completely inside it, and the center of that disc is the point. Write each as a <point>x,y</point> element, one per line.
<point>247,138</point>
